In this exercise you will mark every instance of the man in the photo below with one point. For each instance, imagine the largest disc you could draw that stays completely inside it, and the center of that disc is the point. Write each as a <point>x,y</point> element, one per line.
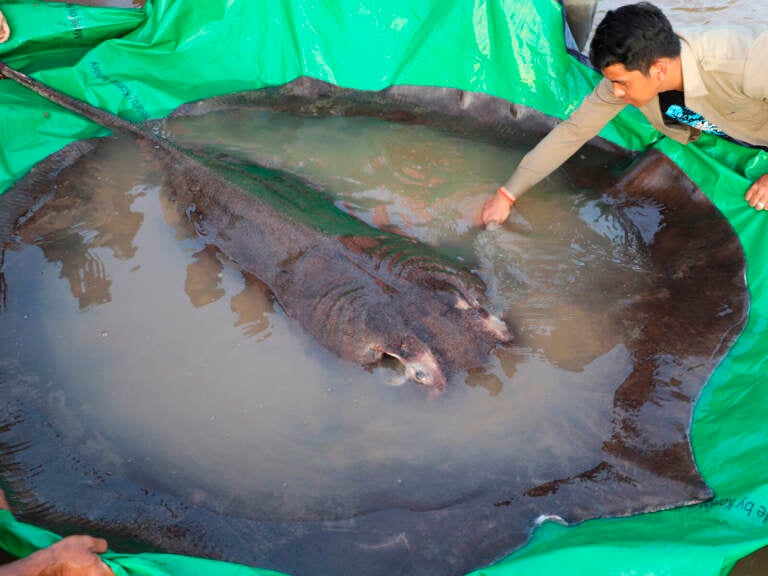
<point>713,80</point>
<point>5,31</point>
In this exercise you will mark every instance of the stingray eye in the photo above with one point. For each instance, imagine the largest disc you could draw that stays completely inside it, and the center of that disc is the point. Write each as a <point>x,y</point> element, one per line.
<point>460,303</point>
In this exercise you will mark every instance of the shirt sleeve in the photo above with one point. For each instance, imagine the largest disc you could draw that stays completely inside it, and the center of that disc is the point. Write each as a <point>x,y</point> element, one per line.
<point>566,138</point>
<point>756,69</point>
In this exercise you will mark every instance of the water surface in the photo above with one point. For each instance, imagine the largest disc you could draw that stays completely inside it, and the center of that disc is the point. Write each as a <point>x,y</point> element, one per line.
<point>162,386</point>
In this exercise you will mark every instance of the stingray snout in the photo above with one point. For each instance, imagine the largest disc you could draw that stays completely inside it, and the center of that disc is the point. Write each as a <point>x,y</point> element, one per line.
<point>426,371</point>
<point>419,362</point>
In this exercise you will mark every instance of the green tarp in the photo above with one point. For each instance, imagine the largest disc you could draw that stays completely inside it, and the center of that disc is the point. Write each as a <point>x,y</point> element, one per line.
<point>144,63</point>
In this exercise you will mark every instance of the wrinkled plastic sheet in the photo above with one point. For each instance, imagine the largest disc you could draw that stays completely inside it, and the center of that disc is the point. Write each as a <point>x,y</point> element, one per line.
<point>143,63</point>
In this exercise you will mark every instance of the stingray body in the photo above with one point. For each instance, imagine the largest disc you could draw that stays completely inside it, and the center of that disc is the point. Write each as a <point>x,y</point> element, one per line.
<point>363,294</point>
<point>681,330</point>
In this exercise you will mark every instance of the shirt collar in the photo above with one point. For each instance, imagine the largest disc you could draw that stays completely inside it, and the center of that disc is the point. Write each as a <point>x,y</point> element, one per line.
<point>693,85</point>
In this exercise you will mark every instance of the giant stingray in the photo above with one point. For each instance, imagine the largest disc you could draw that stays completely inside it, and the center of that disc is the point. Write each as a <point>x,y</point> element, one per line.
<point>684,326</point>
<point>363,294</point>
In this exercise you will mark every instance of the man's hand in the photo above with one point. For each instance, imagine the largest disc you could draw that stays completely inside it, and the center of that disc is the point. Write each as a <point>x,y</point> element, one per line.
<point>5,31</point>
<point>757,195</point>
<point>72,556</point>
<point>76,556</point>
<point>495,210</point>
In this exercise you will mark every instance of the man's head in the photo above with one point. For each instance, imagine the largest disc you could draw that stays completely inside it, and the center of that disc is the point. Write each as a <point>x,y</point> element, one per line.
<point>636,36</point>
<point>632,47</point>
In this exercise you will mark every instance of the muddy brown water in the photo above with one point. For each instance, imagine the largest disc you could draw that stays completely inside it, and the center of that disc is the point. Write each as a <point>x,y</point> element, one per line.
<point>700,12</point>
<point>191,367</point>
<point>172,403</point>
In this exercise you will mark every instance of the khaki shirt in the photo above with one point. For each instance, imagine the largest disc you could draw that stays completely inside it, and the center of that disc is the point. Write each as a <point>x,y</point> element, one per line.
<point>725,79</point>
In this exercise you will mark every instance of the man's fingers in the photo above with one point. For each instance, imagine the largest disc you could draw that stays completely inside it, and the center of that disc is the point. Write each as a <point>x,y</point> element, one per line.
<point>495,210</point>
<point>89,543</point>
<point>757,194</point>
<point>5,31</point>
<point>98,545</point>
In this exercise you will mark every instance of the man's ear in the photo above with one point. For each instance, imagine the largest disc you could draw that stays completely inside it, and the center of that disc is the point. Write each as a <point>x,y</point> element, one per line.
<point>659,70</point>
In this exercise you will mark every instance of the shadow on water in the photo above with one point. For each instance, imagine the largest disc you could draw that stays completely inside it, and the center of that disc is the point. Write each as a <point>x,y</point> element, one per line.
<point>157,393</point>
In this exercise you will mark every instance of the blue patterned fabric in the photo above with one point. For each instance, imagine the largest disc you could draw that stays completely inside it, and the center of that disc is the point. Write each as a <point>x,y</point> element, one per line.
<point>687,116</point>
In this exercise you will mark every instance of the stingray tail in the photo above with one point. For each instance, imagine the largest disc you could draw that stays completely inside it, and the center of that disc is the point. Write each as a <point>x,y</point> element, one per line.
<point>97,115</point>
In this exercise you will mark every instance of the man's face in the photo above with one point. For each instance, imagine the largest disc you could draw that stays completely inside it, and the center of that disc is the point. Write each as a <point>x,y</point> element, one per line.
<point>633,86</point>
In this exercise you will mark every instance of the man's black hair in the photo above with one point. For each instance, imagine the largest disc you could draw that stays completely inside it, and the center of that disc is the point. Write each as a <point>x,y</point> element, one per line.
<point>635,35</point>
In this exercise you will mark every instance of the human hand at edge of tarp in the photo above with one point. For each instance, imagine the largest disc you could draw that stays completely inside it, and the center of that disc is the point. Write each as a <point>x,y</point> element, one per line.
<point>70,556</point>
<point>5,31</point>
<point>757,194</point>
<point>497,208</point>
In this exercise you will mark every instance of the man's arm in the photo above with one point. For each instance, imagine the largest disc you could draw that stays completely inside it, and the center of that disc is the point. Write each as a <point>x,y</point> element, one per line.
<point>561,143</point>
<point>756,86</point>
